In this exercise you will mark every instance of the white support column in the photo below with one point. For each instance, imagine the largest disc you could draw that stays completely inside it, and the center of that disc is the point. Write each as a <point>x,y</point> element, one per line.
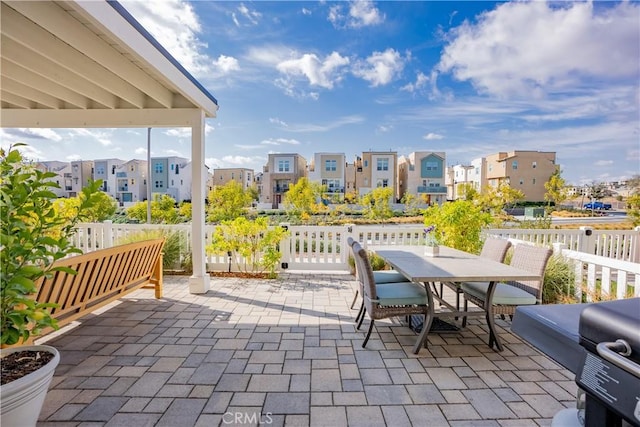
<point>199,280</point>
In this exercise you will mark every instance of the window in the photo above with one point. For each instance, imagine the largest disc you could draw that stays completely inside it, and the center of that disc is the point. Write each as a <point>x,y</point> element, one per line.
<point>159,184</point>
<point>330,165</point>
<point>133,181</point>
<point>283,166</point>
<point>534,165</point>
<point>521,182</point>
<point>172,165</point>
<point>172,184</point>
<point>113,170</point>
<point>514,165</point>
<point>382,183</point>
<point>158,168</point>
<point>366,163</point>
<point>233,175</point>
<point>534,181</point>
<point>383,164</point>
<point>432,166</point>
<point>132,168</point>
<point>100,170</point>
<point>490,167</point>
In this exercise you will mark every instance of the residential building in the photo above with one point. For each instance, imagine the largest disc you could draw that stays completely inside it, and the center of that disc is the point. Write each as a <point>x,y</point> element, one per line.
<point>328,169</point>
<point>376,169</point>
<point>131,182</point>
<point>243,176</point>
<point>457,177</point>
<point>281,170</point>
<point>526,171</point>
<point>62,178</point>
<point>105,169</point>
<point>79,177</point>
<point>168,177</point>
<point>423,173</point>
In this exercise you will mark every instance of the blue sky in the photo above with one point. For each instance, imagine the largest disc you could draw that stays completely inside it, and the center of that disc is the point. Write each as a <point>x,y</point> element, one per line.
<point>466,78</point>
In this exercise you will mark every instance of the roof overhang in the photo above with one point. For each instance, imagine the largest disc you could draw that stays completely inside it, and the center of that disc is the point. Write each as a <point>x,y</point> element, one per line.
<point>74,64</point>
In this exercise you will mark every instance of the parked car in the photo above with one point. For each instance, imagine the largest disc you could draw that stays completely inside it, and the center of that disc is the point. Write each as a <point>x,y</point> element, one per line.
<point>598,206</point>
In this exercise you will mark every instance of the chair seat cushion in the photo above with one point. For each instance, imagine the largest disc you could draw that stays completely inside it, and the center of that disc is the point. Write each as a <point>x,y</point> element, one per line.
<point>401,293</point>
<point>388,276</point>
<point>504,295</point>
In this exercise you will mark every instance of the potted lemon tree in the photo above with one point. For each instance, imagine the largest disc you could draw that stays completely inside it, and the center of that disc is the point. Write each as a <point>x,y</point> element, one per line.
<point>33,236</point>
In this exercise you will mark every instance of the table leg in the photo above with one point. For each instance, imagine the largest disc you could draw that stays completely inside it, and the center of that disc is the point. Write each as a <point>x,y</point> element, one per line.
<point>493,336</point>
<point>422,338</point>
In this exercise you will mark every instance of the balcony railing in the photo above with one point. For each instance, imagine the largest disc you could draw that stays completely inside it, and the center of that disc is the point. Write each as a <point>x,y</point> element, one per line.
<point>432,190</point>
<point>605,260</point>
<point>280,189</point>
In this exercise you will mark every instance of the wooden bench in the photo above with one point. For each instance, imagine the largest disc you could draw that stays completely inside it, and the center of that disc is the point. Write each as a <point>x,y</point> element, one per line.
<point>102,277</point>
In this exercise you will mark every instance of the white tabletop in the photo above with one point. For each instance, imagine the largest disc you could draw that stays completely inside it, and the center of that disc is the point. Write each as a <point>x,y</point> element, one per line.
<point>450,266</point>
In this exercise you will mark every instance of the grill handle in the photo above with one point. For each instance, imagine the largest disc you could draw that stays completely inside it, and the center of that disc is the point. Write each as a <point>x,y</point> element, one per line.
<point>615,353</point>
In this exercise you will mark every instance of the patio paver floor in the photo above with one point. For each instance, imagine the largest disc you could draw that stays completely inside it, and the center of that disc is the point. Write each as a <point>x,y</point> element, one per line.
<point>286,352</point>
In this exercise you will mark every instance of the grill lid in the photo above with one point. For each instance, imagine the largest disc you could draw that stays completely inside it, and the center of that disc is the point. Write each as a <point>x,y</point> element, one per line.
<point>609,321</point>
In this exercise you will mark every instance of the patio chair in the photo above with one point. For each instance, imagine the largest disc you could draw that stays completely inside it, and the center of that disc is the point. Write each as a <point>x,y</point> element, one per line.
<point>494,249</point>
<point>383,276</point>
<point>508,296</point>
<point>387,300</point>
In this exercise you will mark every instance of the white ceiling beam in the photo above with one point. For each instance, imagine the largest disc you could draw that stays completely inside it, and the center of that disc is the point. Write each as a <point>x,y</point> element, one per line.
<point>106,18</point>
<point>26,58</point>
<point>39,83</point>
<point>15,100</point>
<point>17,88</point>
<point>136,118</point>
<point>55,20</point>
<point>19,28</point>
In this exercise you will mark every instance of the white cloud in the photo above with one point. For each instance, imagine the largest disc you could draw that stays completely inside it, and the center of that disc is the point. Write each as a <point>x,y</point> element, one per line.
<point>380,68</point>
<point>73,157</point>
<point>306,11</point>
<point>324,73</point>
<point>604,163</point>
<point>361,13</point>
<point>280,141</point>
<point>176,26</point>
<point>251,162</point>
<point>432,136</point>
<point>141,151</point>
<point>277,121</point>
<point>339,122</point>
<point>421,82</point>
<point>537,47</point>
<point>251,15</point>
<point>227,64</point>
<point>178,132</point>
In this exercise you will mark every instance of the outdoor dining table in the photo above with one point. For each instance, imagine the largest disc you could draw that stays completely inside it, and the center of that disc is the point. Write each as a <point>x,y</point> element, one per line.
<point>451,265</point>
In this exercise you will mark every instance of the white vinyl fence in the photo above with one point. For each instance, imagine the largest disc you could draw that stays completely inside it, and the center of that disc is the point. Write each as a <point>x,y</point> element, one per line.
<point>607,261</point>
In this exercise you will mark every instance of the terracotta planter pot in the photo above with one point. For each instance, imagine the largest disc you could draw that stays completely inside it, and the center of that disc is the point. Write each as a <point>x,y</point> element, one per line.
<point>22,399</point>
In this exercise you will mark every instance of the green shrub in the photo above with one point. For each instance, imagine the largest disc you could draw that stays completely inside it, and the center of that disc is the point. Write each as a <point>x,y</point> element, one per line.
<point>559,280</point>
<point>174,254</point>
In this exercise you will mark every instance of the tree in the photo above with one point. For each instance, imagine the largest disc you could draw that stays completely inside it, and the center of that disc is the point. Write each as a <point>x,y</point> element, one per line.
<point>228,201</point>
<point>377,203</point>
<point>302,197</point>
<point>597,191</point>
<point>411,203</point>
<point>467,191</point>
<point>458,224</point>
<point>103,207</point>
<point>32,237</point>
<point>495,199</point>
<point>633,201</point>
<point>163,210</point>
<point>556,188</point>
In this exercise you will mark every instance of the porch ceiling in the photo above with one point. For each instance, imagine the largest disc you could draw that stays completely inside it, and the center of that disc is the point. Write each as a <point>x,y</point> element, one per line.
<point>90,64</point>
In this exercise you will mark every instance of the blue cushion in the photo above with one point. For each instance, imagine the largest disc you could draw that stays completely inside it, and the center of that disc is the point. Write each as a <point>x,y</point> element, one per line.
<point>401,293</point>
<point>504,295</point>
<point>388,276</point>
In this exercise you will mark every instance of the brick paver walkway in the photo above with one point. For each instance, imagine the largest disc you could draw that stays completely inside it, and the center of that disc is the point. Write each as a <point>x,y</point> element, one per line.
<point>286,352</point>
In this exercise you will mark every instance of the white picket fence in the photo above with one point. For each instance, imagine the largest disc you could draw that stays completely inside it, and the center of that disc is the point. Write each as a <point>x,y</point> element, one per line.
<point>607,261</point>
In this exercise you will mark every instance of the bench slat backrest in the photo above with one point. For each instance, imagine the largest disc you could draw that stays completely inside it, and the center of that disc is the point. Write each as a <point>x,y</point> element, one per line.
<point>102,277</point>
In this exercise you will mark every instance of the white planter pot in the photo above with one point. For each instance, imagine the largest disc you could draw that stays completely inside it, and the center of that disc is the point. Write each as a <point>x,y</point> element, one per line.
<point>22,399</point>
<point>432,251</point>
